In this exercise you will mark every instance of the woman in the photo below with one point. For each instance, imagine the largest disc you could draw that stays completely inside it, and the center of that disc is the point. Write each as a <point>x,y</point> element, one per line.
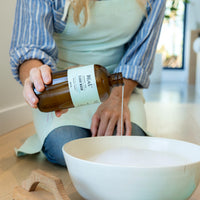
<point>51,35</point>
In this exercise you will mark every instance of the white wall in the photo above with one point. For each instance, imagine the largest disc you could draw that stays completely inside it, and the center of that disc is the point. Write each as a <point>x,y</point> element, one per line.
<point>192,23</point>
<point>14,112</point>
<point>198,75</point>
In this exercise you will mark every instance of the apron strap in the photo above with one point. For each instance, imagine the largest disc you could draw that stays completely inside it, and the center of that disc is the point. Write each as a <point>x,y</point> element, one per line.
<point>66,8</point>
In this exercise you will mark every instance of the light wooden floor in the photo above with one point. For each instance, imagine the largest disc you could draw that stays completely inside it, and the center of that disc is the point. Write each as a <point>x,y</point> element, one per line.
<point>14,170</point>
<point>172,120</point>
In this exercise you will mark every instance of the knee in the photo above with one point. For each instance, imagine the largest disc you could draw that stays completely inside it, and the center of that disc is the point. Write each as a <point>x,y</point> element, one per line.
<point>137,131</point>
<point>52,147</point>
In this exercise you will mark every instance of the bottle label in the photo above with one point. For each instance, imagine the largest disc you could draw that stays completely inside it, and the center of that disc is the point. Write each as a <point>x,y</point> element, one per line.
<point>82,85</point>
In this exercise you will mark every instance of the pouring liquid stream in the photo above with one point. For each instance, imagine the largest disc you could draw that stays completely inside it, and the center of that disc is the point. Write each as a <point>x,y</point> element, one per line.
<point>122,111</point>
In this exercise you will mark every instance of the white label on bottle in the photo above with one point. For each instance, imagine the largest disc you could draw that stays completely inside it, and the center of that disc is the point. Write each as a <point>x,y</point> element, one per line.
<point>82,85</point>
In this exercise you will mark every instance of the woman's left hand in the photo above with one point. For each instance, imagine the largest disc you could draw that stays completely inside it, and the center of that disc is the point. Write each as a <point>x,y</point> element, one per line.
<point>108,116</point>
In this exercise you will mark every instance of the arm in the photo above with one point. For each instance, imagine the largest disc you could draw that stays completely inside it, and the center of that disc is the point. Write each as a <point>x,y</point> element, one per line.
<point>137,62</point>
<point>32,44</point>
<point>136,66</point>
<point>33,52</point>
<point>32,35</point>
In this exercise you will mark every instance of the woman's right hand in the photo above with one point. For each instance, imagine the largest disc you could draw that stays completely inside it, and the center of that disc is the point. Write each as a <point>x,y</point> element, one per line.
<point>38,77</point>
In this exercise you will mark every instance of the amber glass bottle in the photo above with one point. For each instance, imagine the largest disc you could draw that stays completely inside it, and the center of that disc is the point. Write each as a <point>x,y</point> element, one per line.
<point>77,86</point>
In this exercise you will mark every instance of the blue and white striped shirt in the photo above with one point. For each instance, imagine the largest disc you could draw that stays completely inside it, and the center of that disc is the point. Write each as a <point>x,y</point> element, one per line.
<point>37,20</point>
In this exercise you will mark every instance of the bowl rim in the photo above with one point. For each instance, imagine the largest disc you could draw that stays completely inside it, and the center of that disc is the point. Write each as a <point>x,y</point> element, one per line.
<point>132,166</point>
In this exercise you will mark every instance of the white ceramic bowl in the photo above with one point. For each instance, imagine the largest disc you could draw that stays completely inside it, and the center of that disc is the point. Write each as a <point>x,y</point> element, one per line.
<point>164,169</point>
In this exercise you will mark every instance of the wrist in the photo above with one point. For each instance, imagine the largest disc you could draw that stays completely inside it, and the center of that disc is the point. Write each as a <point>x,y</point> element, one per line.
<point>24,68</point>
<point>129,86</point>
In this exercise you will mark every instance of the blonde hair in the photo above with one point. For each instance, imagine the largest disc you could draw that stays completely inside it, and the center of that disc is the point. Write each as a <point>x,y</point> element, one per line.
<point>83,5</point>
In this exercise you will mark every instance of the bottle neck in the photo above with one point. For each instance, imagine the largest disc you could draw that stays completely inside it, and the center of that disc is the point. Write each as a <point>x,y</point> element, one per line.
<point>116,79</point>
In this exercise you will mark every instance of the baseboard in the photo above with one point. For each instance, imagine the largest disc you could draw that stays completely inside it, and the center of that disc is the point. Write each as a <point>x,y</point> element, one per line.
<point>14,117</point>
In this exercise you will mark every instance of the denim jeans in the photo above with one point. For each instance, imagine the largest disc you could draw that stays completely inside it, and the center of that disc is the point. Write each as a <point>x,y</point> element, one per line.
<point>52,147</point>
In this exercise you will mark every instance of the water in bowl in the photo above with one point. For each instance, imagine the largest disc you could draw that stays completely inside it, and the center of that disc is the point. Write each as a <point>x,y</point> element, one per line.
<point>138,158</point>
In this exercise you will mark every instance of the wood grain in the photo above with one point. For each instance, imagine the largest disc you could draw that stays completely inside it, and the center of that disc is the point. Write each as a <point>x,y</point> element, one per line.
<point>180,121</point>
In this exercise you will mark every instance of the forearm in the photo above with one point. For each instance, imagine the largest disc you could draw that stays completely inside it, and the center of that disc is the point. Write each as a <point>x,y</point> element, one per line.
<point>129,86</point>
<point>137,62</point>
<point>24,69</point>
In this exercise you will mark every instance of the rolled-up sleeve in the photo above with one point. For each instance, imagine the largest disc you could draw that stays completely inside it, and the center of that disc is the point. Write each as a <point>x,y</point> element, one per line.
<point>137,63</point>
<point>32,36</point>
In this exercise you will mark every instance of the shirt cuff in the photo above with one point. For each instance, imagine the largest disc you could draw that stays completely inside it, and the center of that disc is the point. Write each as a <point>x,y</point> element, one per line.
<point>135,73</point>
<point>21,55</point>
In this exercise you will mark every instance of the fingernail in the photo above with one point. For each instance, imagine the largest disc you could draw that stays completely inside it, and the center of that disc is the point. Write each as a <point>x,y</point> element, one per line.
<point>47,79</point>
<point>33,100</point>
<point>58,115</point>
<point>39,88</point>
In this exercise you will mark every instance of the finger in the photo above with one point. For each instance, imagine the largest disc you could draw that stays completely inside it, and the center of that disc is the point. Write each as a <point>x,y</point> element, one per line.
<point>46,74</point>
<point>29,95</point>
<point>111,126</point>
<point>103,125</point>
<point>120,127</point>
<point>94,125</point>
<point>60,112</point>
<point>36,79</point>
<point>128,126</point>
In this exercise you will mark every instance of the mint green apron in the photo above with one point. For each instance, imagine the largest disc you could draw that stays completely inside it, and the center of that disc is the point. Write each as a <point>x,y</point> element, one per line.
<point>111,24</point>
